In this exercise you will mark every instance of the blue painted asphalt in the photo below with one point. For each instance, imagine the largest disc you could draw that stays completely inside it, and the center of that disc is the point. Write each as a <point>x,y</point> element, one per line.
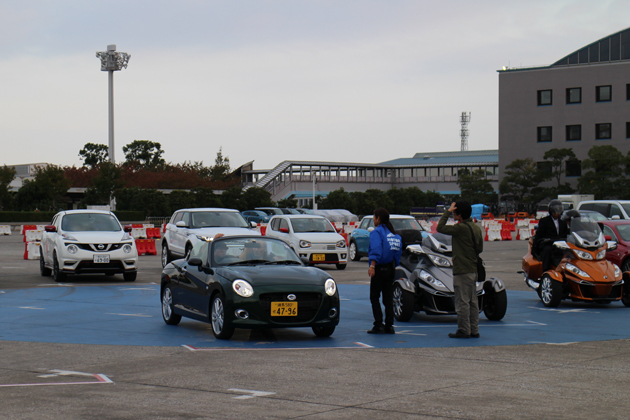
<point>131,315</point>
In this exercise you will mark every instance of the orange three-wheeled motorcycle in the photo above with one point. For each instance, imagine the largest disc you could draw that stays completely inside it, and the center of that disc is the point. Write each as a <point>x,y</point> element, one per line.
<point>583,273</point>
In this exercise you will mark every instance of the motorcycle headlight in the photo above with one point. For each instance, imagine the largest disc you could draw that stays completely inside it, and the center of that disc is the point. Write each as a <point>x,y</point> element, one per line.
<point>73,249</point>
<point>305,244</point>
<point>617,271</point>
<point>341,244</point>
<point>583,254</point>
<point>601,255</point>
<point>439,261</point>
<point>428,278</point>
<point>331,287</point>
<point>576,270</point>
<point>127,248</point>
<point>242,288</point>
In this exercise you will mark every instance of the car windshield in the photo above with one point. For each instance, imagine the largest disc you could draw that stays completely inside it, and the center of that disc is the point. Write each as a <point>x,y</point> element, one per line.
<point>90,222</point>
<point>403,224</point>
<point>203,219</point>
<point>433,242</point>
<point>252,251</point>
<point>311,225</point>
<point>598,217</point>
<point>626,207</point>
<point>586,228</point>
<point>624,232</point>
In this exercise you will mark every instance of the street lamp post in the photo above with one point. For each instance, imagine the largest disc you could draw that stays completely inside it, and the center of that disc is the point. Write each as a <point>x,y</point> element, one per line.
<point>112,61</point>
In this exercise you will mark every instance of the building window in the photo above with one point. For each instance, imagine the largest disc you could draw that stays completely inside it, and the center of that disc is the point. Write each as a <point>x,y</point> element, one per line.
<point>544,134</point>
<point>628,92</point>
<point>574,95</point>
<point>544,97</point>
<point>545,168</point>
<point>603,93</point>
<point>574,168</point>
<point>603,131</point>
<point>628,130</point>
<point>574,132</point>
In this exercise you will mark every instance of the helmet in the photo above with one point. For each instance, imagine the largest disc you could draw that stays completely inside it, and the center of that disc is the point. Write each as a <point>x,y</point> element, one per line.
<point>570,214</point>
<point>556,207</point>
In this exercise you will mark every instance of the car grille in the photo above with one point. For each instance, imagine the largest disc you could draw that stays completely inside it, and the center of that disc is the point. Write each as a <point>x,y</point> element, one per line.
<point>590,292</point>
<point>94,247</point>
<point>308,305</point>
<point>90,267</point>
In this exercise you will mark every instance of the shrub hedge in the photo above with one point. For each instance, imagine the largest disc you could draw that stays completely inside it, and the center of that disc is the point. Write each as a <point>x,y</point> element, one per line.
<point>43,217</point>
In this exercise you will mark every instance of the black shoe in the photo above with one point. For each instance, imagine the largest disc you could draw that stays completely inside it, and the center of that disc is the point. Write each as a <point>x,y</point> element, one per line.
<point>458,334</point>
<point>377,329</point>
<point>390,329</point>
<point>475,335</point>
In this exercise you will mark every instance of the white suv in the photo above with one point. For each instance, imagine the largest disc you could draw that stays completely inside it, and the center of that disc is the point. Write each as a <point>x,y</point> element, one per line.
<point>311,237</point>
<point>87,242</point>
<point>189,226</point>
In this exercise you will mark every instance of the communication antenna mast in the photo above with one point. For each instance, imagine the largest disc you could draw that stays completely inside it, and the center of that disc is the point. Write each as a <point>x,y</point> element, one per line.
<point>464,119</point>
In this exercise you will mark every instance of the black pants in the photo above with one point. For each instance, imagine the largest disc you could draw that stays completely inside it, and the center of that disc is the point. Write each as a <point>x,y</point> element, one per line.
<point>382,282</point>
<point>550,257</point>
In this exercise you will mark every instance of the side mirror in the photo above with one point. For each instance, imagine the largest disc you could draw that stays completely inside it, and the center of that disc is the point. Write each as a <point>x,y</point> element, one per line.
<point>304,260</point>
<point>284,230</point>
<point>181,224</point>
<point>195,262</point>
<point>127,228</point>
<point>415,249</point>
<point>611,245</point>
<point>370,229</point>
<point>50,228</point>
<point>615,217</point>
<point>253,224</point>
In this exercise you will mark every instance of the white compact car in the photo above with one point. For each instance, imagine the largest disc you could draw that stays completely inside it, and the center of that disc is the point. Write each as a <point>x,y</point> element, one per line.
<point>189,226</point>
<point>311,237</point>
<point>87,242</point>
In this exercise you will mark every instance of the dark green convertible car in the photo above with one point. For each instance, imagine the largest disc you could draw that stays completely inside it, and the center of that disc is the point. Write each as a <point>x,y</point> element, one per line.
<point>248,282</point>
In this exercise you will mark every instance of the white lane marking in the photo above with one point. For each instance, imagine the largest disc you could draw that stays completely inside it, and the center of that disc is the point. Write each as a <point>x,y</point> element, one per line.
<point>254,394</point>
<point>30,307</point>
<point>343,299</point>
<point>532,323</point>
<point>12,268</point>
<point>554,344</point>
<point>565,311</point>
<point>367,346</point>
<point>408,332</point>
<point>139,315</point>
<point>100,379</point>
<point>193,348</point>
<point>138,288</point>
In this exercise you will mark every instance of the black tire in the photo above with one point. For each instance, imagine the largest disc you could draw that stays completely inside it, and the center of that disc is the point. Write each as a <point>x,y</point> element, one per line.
<point>625,266</point>
<point>130,276</point>
<point>625,297</point>
<point>495,305</point>
<point>353,252</point>
<point>217,318</point>
<point>58,275</point>
<point>550,292</point>
<point>166,256</point>
<point>341,266</point>
<point>323,331</point>
<point>43,270</point>
<point>403,303</point>
<point>187,251</point>
<point>168,314</point>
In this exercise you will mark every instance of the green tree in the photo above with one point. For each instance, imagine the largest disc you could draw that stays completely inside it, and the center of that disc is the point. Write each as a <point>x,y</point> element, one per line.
<point>205,197</point>
<point>179,199</point>
<point>475,187</point>
<point>232,198</point>
<point>93,154</point>
<point>53,183</point>
<point>104,184</point>
<point>7,175</point>
<point>337,199</point>
<point>151,201</point>
<point>221,169</point>
<point>255,197</point>
<point>402,200</point>
<point>522,179</point>
<point>144,154</point>
<point>558,159</point>
<point>604,176</point>
<point>290,202</point>
<point>370,200</point>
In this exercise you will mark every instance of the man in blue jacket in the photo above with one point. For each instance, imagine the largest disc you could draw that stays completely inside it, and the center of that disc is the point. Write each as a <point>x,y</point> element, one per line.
<point>384,254</point>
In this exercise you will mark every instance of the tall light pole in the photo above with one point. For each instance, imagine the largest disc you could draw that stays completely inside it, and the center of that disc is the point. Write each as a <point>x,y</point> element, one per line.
<point>112,61</point>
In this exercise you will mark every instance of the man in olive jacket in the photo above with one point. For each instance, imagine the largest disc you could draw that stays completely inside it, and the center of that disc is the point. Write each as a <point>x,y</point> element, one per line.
<point>464,267</point>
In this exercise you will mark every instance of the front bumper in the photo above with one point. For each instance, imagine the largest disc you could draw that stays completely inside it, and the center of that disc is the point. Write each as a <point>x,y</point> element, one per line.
<point>83,262</point>
<point>324,255</point>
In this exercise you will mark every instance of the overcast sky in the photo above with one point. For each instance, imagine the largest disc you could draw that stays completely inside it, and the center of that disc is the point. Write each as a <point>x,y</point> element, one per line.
<point>344,81</point>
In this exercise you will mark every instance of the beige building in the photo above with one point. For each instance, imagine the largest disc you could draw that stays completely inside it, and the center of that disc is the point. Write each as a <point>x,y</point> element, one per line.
<point>580,101</point>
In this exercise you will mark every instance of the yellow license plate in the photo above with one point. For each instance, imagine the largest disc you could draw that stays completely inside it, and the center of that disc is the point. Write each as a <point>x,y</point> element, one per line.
<point>319,257</point>
<point>284,308</point>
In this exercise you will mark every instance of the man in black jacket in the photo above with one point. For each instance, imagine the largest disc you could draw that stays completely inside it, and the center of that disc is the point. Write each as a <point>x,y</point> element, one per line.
<point>550,228</point>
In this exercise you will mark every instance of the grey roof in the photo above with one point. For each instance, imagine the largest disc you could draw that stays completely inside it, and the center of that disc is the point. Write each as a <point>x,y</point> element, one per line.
<point>487,157</point>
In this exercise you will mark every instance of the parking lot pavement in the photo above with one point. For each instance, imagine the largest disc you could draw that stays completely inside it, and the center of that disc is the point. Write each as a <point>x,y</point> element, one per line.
<point>66,380</point>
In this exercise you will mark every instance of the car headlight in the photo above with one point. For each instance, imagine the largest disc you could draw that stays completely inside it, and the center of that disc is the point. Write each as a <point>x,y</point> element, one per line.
<point>126,237</point>
<point>305,244</point>
<point>601,255</point>
<point>583,254</point>
<point>428,278</point>
<point>331,287</point>
<point>73,249</point>
<point>617,271</point>
<point>127,248</point>
<point>242,288</point>
<point>341,244</point>
<point>576,270</point>
<point>67,237</point>
<point>439,261</point>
